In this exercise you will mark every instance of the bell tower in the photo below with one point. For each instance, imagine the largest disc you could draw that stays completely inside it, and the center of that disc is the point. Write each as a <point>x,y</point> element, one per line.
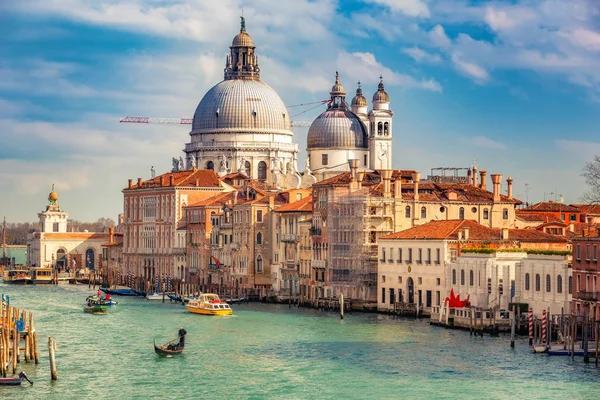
<point>380,132</point>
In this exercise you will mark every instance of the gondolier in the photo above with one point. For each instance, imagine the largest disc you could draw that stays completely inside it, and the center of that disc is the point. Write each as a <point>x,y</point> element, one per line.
<point>182,333</point>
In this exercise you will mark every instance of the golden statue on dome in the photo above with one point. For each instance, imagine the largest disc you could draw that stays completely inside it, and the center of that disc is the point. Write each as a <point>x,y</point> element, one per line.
<point>52,196</point>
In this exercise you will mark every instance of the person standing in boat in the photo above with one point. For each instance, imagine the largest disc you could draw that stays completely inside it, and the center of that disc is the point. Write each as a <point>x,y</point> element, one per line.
<point>182,333</point>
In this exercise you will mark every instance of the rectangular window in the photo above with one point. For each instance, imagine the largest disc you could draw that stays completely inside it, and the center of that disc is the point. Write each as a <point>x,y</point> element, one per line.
<point>420,280</point>
<point>409,256</point>
<point>259,216</point>
<point>437,298</point>
<point>578,252</point>
<point>382,259</point>
<point>438,281</point>
<point>573,217</point>
<point>383,295</point>
<point>55,227</point>
<point>587,252</point>
<point>562,217</point>
<point>399,256</point>
<point>595,253</point>
<point>420,259</point>
<point>428,256</point>
<point>365,160</point>
<point>437,256</point>
<point>324,159</point>
<point>391,256</point>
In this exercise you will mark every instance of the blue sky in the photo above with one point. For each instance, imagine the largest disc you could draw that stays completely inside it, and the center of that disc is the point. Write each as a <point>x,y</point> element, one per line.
<point>514,85</point>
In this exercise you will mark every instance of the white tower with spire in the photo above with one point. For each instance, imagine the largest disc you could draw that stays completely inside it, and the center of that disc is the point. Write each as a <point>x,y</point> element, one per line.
<point>380,132</point>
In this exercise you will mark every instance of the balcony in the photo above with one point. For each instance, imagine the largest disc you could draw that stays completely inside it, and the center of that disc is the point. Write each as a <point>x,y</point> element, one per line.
<point>290,237</point>
<point>319,263</point>
<point>588,296</point>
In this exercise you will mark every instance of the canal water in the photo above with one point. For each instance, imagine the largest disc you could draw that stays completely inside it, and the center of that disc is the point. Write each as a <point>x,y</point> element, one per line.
<point>272,351</point>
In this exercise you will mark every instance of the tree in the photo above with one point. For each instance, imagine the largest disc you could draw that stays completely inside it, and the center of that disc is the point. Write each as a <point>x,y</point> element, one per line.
<point>591,174</point>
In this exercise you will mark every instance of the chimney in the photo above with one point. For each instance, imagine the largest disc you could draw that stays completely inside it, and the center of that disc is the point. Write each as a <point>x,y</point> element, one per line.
<point>271,202</point>
<point>474,175</point>
<point>460,235</point>
<point>504,233</point>
<point>572,227</point>
<point>466,235</point>
<point>483,174</point>
<point>509,182</point>
<point>197,182</point>
<point>111,235</point>
<point>171,180</point>
<point>359,178</point>
<point>496,179</point>
<point>353,168</point>
<point>386,175</point>
<point>130,183</point>
<point>139,182</point>
<point>469,180</point>
<point>416,178</point>
<point>398,187</point>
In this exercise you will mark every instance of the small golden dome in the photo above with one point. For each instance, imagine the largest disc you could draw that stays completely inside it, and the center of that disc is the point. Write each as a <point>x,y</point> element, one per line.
<point>242,39</point>
<point>337,89</point>
<point>53,196</point>
<point>359,100</point>
<point>380,95</point>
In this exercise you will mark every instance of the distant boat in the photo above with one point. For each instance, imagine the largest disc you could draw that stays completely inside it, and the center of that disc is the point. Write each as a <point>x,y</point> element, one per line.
<point>42,276</point>
<point>17,277</point>
<point>14,381</point>
<point>101,301</point>
<point>95,309</point>
<point>235,300</point>
<point>158,296</point>
<point>209,304</point>
<point>119,292</point>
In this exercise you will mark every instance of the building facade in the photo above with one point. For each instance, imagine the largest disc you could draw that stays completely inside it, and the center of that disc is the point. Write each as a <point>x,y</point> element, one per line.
<point>586,276</point>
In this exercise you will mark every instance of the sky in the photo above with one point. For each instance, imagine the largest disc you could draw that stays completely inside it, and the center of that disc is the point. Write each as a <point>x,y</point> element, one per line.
<point>511,85</point>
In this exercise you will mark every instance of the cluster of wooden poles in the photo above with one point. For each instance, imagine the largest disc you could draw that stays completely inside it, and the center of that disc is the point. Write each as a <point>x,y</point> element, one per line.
<point>11,319</point>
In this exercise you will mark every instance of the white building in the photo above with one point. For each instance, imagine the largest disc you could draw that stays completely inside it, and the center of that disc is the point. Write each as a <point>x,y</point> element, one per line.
<point>241,124</point>
<point>53,246</point>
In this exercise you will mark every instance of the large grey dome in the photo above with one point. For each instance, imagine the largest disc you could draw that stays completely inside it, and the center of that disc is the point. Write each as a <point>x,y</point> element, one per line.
<point>241,105</point>
<point>337,128</point>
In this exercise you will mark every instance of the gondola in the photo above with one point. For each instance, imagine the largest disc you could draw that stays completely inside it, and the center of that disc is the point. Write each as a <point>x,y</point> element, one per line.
<point>14,381</point>
<point>164,352</point>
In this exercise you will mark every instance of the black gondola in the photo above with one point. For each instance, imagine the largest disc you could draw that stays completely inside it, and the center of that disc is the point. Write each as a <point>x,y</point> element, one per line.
<point>168,350</point>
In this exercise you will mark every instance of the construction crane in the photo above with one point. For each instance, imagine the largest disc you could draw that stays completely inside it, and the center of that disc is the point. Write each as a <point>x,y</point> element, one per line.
<point>188,121</point>
<point>185,121</point>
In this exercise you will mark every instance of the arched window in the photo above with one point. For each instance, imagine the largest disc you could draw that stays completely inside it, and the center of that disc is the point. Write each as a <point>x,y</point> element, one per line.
<point>407,212</point>
<point>259,238</point>
<point>259,266</point>
<point>461,213</point>
<point>210,165</point>
<point>527,282</point>
<point>90,259</point>
<point>423,212</point>
<point>247,168</point>
<point>486,213</point>
<point>61,258</point>
<point>537,282</point>
<point>548,284</point>
<point>386,128</point>
<point>505,213</point>
<point>462,277</point>
<point>262,171</point>
<point>379,128</point>
<point>559,284</point>
<point>471,278</point>
<point>454,277</point>
<point>570,284</point>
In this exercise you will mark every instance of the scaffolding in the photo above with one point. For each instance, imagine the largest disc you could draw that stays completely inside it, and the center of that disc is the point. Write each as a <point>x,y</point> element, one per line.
<point>449,175</point>
<point>355,220</point>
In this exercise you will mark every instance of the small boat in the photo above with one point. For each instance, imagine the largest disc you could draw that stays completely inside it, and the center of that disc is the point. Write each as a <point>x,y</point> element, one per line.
<point>139,292</point>
<point>167,350</point>
<point>540,349</point>
<point>14,381</point>
<point>17,277</point>
<point>95,309</point>
<point>209,304</point>
<point>42,276</point>
<point>235,300</point>
<point>119,292</point>
<point>102,301</point>
<point>174,297</point>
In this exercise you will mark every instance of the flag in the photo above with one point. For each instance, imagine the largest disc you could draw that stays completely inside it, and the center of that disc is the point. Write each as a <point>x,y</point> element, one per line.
<point>217,262</point>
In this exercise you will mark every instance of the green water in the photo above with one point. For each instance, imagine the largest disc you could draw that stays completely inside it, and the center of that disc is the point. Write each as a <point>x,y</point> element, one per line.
<point>271,351</point>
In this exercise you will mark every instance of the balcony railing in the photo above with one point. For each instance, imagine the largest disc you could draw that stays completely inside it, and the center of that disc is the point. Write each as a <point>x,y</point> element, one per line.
<point>290,237</point>
<point>319,263</point>
<point>589,296</point>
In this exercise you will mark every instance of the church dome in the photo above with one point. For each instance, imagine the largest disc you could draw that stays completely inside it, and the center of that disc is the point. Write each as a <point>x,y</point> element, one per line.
<point>380,95</point>
<point>336,128</point>
<point>241,105</point>
<point>242,39</point>
<point>359,100</point>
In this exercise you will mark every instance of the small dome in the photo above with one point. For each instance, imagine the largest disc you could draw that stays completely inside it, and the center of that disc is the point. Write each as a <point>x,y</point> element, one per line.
<point>53,196</point>
<point>242,39</point>
<point>336,128</point>
<point>337,89</point>
<point>359,100</point>
<point>380,95</point>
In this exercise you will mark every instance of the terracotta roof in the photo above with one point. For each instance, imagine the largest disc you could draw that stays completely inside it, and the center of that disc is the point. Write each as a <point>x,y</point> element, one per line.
<point>449,229</point>
<point>215,201</point>
<point>76,235</point>
<point>304,205</point>
<point>203,178</point>
<point>550,206</point>
<point>536,217</point>
<point>587,208</point>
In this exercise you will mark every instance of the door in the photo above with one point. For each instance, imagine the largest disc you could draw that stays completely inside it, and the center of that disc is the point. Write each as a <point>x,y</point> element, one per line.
<point>411,290</point>
<point>392,296</point>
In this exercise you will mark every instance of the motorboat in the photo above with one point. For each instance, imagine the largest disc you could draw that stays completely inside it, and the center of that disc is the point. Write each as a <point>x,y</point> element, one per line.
<point>158,296</point>
<point>95,309</point>
<point>209,304</point>
<point>102,301</point>
<point>17,277</point>
<point>42,276</point>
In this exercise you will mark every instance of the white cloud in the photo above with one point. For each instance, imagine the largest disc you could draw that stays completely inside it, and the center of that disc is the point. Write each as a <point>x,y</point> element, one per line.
<point>412,8</point>
<point>508,17</point>
<point>438,36</point>
<point>486,142</point>
<point>585,38</point>
<point>364,67</point>
<point>420,55</point>
<point>472,70</point>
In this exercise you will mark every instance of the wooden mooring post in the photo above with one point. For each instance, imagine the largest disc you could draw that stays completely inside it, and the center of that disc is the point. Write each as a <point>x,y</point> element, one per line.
<point>341,306</point>
<point>51,349</point>
<point>512,327</point>
<point>15,326</point>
